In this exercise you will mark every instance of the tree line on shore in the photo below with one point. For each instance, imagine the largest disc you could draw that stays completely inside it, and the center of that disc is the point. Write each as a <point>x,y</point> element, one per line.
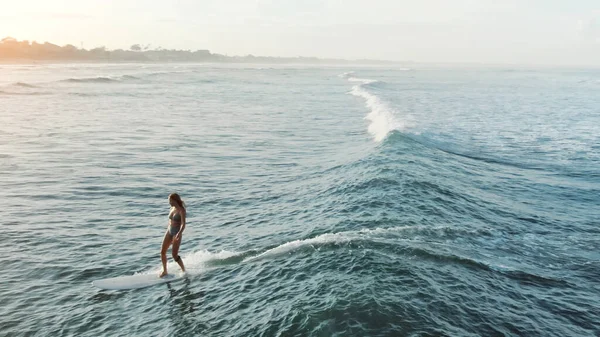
<point>13,50</point>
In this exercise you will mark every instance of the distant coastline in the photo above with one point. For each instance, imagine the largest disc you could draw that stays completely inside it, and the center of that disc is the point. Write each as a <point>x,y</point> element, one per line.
<point>14,51</point>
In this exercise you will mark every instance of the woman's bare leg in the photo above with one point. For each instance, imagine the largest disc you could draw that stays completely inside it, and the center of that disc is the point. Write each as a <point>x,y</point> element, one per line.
<point>175,251</point>
<point>163,253</point>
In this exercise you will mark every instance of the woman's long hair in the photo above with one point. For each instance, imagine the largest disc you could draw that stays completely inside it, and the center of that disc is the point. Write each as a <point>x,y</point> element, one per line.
<point>177,198</point>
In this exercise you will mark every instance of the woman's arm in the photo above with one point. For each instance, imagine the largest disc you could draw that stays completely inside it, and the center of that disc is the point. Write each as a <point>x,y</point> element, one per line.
<point>183,216</point>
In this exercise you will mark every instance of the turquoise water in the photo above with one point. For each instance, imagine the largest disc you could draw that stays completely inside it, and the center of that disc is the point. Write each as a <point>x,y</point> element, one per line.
<point>332,201</point>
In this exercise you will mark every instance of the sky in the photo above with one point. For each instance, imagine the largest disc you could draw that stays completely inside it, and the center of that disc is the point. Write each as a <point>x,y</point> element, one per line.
<point>533,32</point>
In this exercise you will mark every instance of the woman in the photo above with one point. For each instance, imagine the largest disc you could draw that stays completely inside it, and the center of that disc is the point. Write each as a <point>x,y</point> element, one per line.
<point>174,231</point>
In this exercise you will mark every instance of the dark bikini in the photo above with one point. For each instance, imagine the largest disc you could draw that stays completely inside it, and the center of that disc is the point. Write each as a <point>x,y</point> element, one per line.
<point>174,228</point>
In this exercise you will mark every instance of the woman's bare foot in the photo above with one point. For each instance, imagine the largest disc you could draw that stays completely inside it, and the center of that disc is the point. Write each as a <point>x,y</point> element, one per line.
<point>163,272</point>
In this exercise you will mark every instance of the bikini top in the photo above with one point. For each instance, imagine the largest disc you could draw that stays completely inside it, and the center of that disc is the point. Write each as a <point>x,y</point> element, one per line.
<point>176,217</point>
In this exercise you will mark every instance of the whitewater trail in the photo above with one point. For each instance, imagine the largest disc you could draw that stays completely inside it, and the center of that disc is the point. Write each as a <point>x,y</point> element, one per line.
<point>383,119</point>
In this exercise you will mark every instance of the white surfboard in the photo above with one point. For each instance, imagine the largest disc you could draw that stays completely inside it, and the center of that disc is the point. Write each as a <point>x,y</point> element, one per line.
<point>135,281</point>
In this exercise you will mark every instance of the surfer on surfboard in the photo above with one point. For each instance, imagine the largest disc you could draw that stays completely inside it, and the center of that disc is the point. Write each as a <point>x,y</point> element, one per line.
<point>177,217</point>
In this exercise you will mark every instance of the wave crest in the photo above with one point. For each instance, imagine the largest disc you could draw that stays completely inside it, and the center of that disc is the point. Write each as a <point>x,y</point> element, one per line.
<point>381,115</point>
<point>101,79</point>
<point>11,93</point>
<point>24,85</point>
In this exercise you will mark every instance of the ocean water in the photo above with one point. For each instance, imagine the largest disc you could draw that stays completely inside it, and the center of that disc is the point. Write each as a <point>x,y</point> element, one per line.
<point>322,201</point>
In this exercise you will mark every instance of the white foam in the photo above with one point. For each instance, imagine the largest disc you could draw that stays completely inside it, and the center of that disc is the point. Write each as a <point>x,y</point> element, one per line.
<point>361,80</point>
<point>382,116</point>
<point>195,262</point>
<point>327,238</point>
<point>293,245</point>
<point>200,258</point>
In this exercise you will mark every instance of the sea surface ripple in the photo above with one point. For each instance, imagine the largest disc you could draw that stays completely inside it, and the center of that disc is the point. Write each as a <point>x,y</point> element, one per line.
<point>322,201</point>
